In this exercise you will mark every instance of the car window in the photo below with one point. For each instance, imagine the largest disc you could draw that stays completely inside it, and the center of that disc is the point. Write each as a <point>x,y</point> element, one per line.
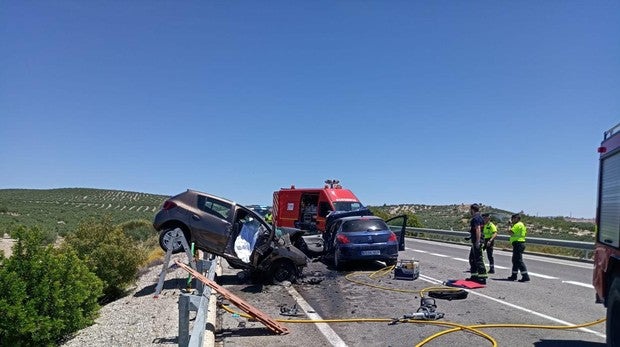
<point>364,225</point>
<point>214,207</point>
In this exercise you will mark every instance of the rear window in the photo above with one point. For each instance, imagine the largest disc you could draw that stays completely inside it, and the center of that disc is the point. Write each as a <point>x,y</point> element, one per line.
<point>364,225</point>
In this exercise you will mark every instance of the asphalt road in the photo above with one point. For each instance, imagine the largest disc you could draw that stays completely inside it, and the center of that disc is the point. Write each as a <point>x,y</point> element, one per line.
<point>559,294</point>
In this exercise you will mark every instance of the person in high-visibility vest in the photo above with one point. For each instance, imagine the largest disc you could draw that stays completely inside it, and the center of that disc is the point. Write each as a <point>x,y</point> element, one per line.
<point>490,232</point>
<point>517,239</point>
<point>269,216</point>
<point>478,271</point>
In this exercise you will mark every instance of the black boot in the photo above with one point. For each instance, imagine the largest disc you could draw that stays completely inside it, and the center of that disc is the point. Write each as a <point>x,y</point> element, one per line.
<point>524,278</point>
<point>492,269</point>
<point>512,278</point>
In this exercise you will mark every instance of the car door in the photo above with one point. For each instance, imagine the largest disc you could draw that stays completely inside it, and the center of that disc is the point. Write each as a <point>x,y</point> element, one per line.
<point>398,226</point>
<point>211,224</point>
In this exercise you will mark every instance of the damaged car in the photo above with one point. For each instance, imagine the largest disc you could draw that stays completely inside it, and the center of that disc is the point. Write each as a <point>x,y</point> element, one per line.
<point>232,231</point>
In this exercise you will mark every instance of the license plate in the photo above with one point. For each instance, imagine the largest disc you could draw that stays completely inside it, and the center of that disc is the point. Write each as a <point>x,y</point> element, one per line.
<point>373,252</point>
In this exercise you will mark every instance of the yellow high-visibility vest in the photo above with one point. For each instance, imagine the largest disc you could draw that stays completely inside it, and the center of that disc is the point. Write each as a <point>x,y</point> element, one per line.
<point>518,232</point>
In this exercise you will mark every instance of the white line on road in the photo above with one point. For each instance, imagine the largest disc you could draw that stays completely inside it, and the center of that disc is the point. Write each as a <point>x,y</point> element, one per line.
<point>542,276</point>
<point>415,250</point>
<point>436,281</point>
<point>461,259</point>
<point>579,284</point>
<point>324,328</point>
<point>439,255</point>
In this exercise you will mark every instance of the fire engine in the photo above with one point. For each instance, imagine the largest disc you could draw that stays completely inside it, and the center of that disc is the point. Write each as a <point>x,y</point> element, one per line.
<point>606,277</point>
<point>307,208</point>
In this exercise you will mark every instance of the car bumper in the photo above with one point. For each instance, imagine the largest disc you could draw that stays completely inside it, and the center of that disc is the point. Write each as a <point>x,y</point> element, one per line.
<point>369,252</point>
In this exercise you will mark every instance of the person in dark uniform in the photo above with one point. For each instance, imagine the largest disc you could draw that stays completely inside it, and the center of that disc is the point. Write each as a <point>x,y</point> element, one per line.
<point>517,232</point>
<point>478,272</point>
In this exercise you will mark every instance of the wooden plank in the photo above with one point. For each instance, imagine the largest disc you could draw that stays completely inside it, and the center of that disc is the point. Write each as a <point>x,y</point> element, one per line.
<point>269,322</point>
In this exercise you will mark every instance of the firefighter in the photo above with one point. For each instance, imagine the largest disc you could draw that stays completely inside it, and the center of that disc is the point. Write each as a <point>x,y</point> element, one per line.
<point>490,232</point>
<point>476,261</point>
<point>517,239</point>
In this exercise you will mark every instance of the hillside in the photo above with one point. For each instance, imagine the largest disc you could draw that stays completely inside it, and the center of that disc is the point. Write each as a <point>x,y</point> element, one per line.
<point>456,217</point>
<point>60,210</point>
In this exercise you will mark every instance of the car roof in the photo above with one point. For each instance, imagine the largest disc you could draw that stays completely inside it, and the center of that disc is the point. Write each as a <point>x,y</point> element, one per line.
<point>196,192</point>
<point>346,219</point>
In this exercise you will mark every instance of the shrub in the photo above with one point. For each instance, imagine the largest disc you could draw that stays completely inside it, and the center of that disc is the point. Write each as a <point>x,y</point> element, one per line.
<point>109,253</point>
<point>138,229</point>
<point>45,294</point>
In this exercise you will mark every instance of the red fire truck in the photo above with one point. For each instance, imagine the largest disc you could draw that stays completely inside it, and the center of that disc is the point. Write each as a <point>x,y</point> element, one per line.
<point>606,277</point>
<point>306,208</point>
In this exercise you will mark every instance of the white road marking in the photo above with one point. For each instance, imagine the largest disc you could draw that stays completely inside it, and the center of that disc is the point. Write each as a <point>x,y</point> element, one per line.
<point>416,250</point>
<point>501,267</point>
<point>439,255</point>
<point>324,328</point>
<point>461,259</point>
<point>579,284</point>
<point>542,276</point>
<point>542,315</point>
<point>509,254</point>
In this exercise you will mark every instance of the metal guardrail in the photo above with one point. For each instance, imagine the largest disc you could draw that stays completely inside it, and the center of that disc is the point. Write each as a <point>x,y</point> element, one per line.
<point>198,303</point>
<point>587,247</point>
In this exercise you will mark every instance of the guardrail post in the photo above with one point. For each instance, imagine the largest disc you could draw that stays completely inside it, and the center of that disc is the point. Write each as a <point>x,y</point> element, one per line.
<point>183,320</point>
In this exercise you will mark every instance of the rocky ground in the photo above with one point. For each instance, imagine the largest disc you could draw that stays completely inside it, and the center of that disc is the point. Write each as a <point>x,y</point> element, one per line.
<point>139,319</point>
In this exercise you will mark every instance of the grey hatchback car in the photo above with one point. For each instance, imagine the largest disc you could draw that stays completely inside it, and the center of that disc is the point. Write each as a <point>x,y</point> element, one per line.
<point>232,231</point>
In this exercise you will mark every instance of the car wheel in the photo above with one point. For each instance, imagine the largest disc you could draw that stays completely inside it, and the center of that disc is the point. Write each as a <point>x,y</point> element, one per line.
<point>166,239</point>
<point>338,263</point>
<point>283,270</point>
<point>613,313</point>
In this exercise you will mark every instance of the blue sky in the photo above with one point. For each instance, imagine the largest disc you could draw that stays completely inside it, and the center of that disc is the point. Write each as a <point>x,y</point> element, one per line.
<point>440,102</point>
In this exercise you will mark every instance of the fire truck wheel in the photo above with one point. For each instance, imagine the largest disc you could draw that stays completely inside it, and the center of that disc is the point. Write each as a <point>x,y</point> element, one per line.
<point>613,313</point>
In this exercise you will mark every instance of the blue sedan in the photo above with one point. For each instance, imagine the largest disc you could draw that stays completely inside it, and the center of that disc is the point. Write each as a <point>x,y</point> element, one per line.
<point>354,238</point>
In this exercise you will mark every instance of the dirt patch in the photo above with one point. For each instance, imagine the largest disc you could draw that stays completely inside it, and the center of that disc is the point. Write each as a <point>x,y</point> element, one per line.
<point>6,243</point>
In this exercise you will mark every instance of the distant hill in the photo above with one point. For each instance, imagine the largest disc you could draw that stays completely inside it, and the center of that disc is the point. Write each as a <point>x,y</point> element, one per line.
<point>456,217</point>
<point>61,210</point>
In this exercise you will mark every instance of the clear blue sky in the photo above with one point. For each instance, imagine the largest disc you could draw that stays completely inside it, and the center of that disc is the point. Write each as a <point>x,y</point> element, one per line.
<point>431,102</point>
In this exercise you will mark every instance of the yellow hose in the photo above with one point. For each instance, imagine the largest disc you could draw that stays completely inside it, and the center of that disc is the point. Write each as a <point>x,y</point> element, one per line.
<point>454,326</point>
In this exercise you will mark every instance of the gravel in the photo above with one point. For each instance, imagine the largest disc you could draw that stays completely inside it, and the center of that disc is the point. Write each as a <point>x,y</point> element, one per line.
<point>139,319</point>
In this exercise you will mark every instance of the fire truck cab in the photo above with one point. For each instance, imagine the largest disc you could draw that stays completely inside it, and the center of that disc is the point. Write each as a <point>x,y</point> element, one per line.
<point>307,208</point>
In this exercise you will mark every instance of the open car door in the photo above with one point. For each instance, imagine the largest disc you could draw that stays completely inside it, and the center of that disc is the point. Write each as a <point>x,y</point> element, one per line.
<point>398,226</point>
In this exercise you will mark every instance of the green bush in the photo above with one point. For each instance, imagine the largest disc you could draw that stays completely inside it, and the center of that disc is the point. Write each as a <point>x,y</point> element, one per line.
<point>109,253</point>
<point>138,229</point>
<point>45,294</point>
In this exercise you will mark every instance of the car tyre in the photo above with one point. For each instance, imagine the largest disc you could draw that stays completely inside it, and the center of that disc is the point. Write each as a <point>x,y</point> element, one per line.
<point>282,271</point>
<point>613,313</point>
<point>165,239</point>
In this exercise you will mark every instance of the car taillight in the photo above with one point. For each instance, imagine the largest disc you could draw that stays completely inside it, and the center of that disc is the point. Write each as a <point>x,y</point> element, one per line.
<point>168,205</point>
<point>342,239</point>
<point>392,237</point>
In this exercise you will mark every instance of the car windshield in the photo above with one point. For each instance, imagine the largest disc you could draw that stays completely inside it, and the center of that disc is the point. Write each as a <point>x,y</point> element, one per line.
<point>347,205</point>
<point>364,225</point>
